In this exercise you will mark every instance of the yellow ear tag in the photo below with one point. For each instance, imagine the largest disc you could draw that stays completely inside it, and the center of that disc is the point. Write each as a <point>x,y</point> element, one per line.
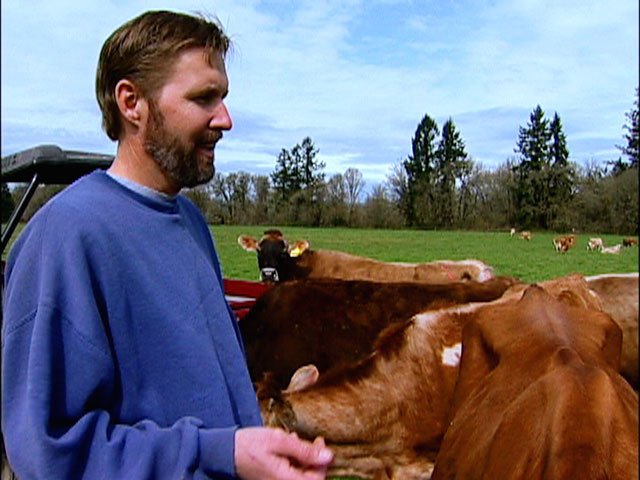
<point>296,252</point>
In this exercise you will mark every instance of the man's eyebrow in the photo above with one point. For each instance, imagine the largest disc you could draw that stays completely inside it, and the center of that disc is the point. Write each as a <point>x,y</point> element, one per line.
<point>207,90</point>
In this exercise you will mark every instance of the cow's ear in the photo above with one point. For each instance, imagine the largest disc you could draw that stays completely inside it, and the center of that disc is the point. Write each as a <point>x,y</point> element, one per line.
<point>303,378</point>
<point>248,243</point>
<point>298,248</point>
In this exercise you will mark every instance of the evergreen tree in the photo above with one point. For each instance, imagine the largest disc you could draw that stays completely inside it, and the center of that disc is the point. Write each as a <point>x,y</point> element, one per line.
<point>296,167</point>
<point>561,176</point>
<point>283,175</point>
<point>298,170</point>
<point>311,169</point>
<point>532,190</point>
<point>632,138</point>
<point>450,164</point>
<point>419,168</point>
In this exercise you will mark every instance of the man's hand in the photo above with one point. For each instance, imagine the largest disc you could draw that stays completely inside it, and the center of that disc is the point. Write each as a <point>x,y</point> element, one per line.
<point>273,454</point>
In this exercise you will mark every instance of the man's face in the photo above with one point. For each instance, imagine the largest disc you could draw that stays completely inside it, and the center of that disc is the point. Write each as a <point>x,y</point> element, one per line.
<point>187,117</point>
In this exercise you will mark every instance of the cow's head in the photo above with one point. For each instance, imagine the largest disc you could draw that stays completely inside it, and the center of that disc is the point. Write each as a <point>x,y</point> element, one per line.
<point>275,409</point>
<point>275,255</point>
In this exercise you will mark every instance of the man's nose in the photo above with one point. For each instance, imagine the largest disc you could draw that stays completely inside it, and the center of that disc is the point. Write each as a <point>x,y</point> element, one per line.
<point>221,119</point>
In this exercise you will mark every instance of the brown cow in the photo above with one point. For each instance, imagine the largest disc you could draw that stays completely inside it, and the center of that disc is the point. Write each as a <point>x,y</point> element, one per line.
<point>279,261</point>
<point>539,397</point>
<point>389,412</point>
<point>563,244</point>
<point>619,296</point>
<point>525,235</point>
<point>327,321</point>
<point>629,241</point>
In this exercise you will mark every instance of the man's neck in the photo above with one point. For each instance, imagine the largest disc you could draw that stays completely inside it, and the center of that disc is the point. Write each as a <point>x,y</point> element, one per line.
<point>133,163</point>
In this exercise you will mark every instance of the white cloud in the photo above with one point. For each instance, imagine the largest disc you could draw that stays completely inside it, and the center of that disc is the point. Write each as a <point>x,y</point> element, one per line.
<point>357,77</point>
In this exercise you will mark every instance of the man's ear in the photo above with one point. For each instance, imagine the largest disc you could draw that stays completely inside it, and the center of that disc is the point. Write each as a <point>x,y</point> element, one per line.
<point>132,106</point>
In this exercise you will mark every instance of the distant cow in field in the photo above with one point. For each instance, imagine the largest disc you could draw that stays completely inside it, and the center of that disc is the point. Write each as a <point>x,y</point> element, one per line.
<point>595,243</point>
<point>629,241</point>
<point>279,261</point>
<point>387,413</point>
<point>512,232</point>
<point>327,322</point>
<point>526,235</point>
<point>615,250</point>
<point>618,294</point>
<point>563,244</point>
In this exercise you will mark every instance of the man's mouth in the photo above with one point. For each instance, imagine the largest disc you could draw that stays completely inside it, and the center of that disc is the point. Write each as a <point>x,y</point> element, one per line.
<point>207,148</point>
<point>209,144</point>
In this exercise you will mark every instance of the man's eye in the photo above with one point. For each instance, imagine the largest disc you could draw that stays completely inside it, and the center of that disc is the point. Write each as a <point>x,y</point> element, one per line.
<point>205,99</point>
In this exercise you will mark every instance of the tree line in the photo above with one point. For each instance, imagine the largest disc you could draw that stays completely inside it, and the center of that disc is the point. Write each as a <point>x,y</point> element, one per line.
<point>437,186</point>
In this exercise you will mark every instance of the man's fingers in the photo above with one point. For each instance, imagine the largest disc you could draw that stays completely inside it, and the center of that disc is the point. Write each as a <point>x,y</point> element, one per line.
<point>305,453</point>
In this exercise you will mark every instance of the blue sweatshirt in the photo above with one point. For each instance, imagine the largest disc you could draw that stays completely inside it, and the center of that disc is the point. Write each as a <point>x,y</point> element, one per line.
<point>121,358</point>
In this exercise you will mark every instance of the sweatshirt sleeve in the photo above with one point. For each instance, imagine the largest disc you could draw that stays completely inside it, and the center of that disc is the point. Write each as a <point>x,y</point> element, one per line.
<point>59,379</point>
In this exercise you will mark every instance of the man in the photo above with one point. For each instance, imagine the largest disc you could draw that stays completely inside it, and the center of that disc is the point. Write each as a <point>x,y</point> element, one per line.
<point>121,358</point>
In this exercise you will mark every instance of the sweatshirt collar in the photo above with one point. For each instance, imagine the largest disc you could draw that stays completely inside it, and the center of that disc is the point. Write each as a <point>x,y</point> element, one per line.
<point>143,189</point>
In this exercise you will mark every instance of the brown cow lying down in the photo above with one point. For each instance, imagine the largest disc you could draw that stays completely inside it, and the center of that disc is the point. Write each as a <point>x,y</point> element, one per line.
<point>539,396</point>
<point>619,296</point>
<point>327,321</point>
<point>278,262</point>
<point>387,414</point>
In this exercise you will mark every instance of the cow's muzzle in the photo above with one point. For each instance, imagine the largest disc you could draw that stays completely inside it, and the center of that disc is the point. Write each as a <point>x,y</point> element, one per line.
<point>269,274</point>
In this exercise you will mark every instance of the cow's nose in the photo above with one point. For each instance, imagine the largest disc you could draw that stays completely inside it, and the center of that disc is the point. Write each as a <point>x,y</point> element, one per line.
<point>269,274</point>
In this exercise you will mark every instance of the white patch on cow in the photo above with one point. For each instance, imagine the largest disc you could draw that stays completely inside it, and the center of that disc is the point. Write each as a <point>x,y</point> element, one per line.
<point>428,318</point>
<point>451,355</point>
<point>402,264</point>
<point>611,275</point>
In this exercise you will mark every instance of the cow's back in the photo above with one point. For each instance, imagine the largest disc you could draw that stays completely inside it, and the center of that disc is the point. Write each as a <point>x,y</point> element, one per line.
<point>576,421</point>
<point>538,396</point>
<point>318,264</point>
<point>328,322</point>
<point>619,297</point>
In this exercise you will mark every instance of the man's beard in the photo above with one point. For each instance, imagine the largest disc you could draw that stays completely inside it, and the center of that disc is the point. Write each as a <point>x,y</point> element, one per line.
<point>177,158</point>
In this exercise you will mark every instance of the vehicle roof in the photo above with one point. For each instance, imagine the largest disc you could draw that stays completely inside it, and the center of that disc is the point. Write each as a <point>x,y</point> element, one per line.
<point>52,164</point>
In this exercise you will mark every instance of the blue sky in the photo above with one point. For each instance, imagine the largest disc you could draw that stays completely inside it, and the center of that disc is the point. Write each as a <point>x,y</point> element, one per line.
<point>356,76</point>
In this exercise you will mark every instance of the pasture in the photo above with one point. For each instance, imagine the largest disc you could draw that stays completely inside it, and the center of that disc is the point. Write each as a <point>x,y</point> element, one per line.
<point>531,261</point>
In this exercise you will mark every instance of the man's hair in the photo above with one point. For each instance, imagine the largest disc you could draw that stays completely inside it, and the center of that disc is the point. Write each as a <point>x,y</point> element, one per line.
<point>144,50</point>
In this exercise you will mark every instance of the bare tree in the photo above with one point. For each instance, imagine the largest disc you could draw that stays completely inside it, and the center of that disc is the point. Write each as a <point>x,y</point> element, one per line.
<point>380,211</point>
<point>354,185</point>
<point>398,187</point>
<point>336,189</point>
<point>336,197</point>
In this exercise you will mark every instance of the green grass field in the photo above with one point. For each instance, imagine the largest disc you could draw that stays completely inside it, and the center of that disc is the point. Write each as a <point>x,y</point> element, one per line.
<point>530,261</point>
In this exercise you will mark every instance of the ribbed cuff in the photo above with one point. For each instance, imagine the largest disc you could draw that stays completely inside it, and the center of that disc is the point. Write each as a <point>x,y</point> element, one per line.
<point>217,452</point>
